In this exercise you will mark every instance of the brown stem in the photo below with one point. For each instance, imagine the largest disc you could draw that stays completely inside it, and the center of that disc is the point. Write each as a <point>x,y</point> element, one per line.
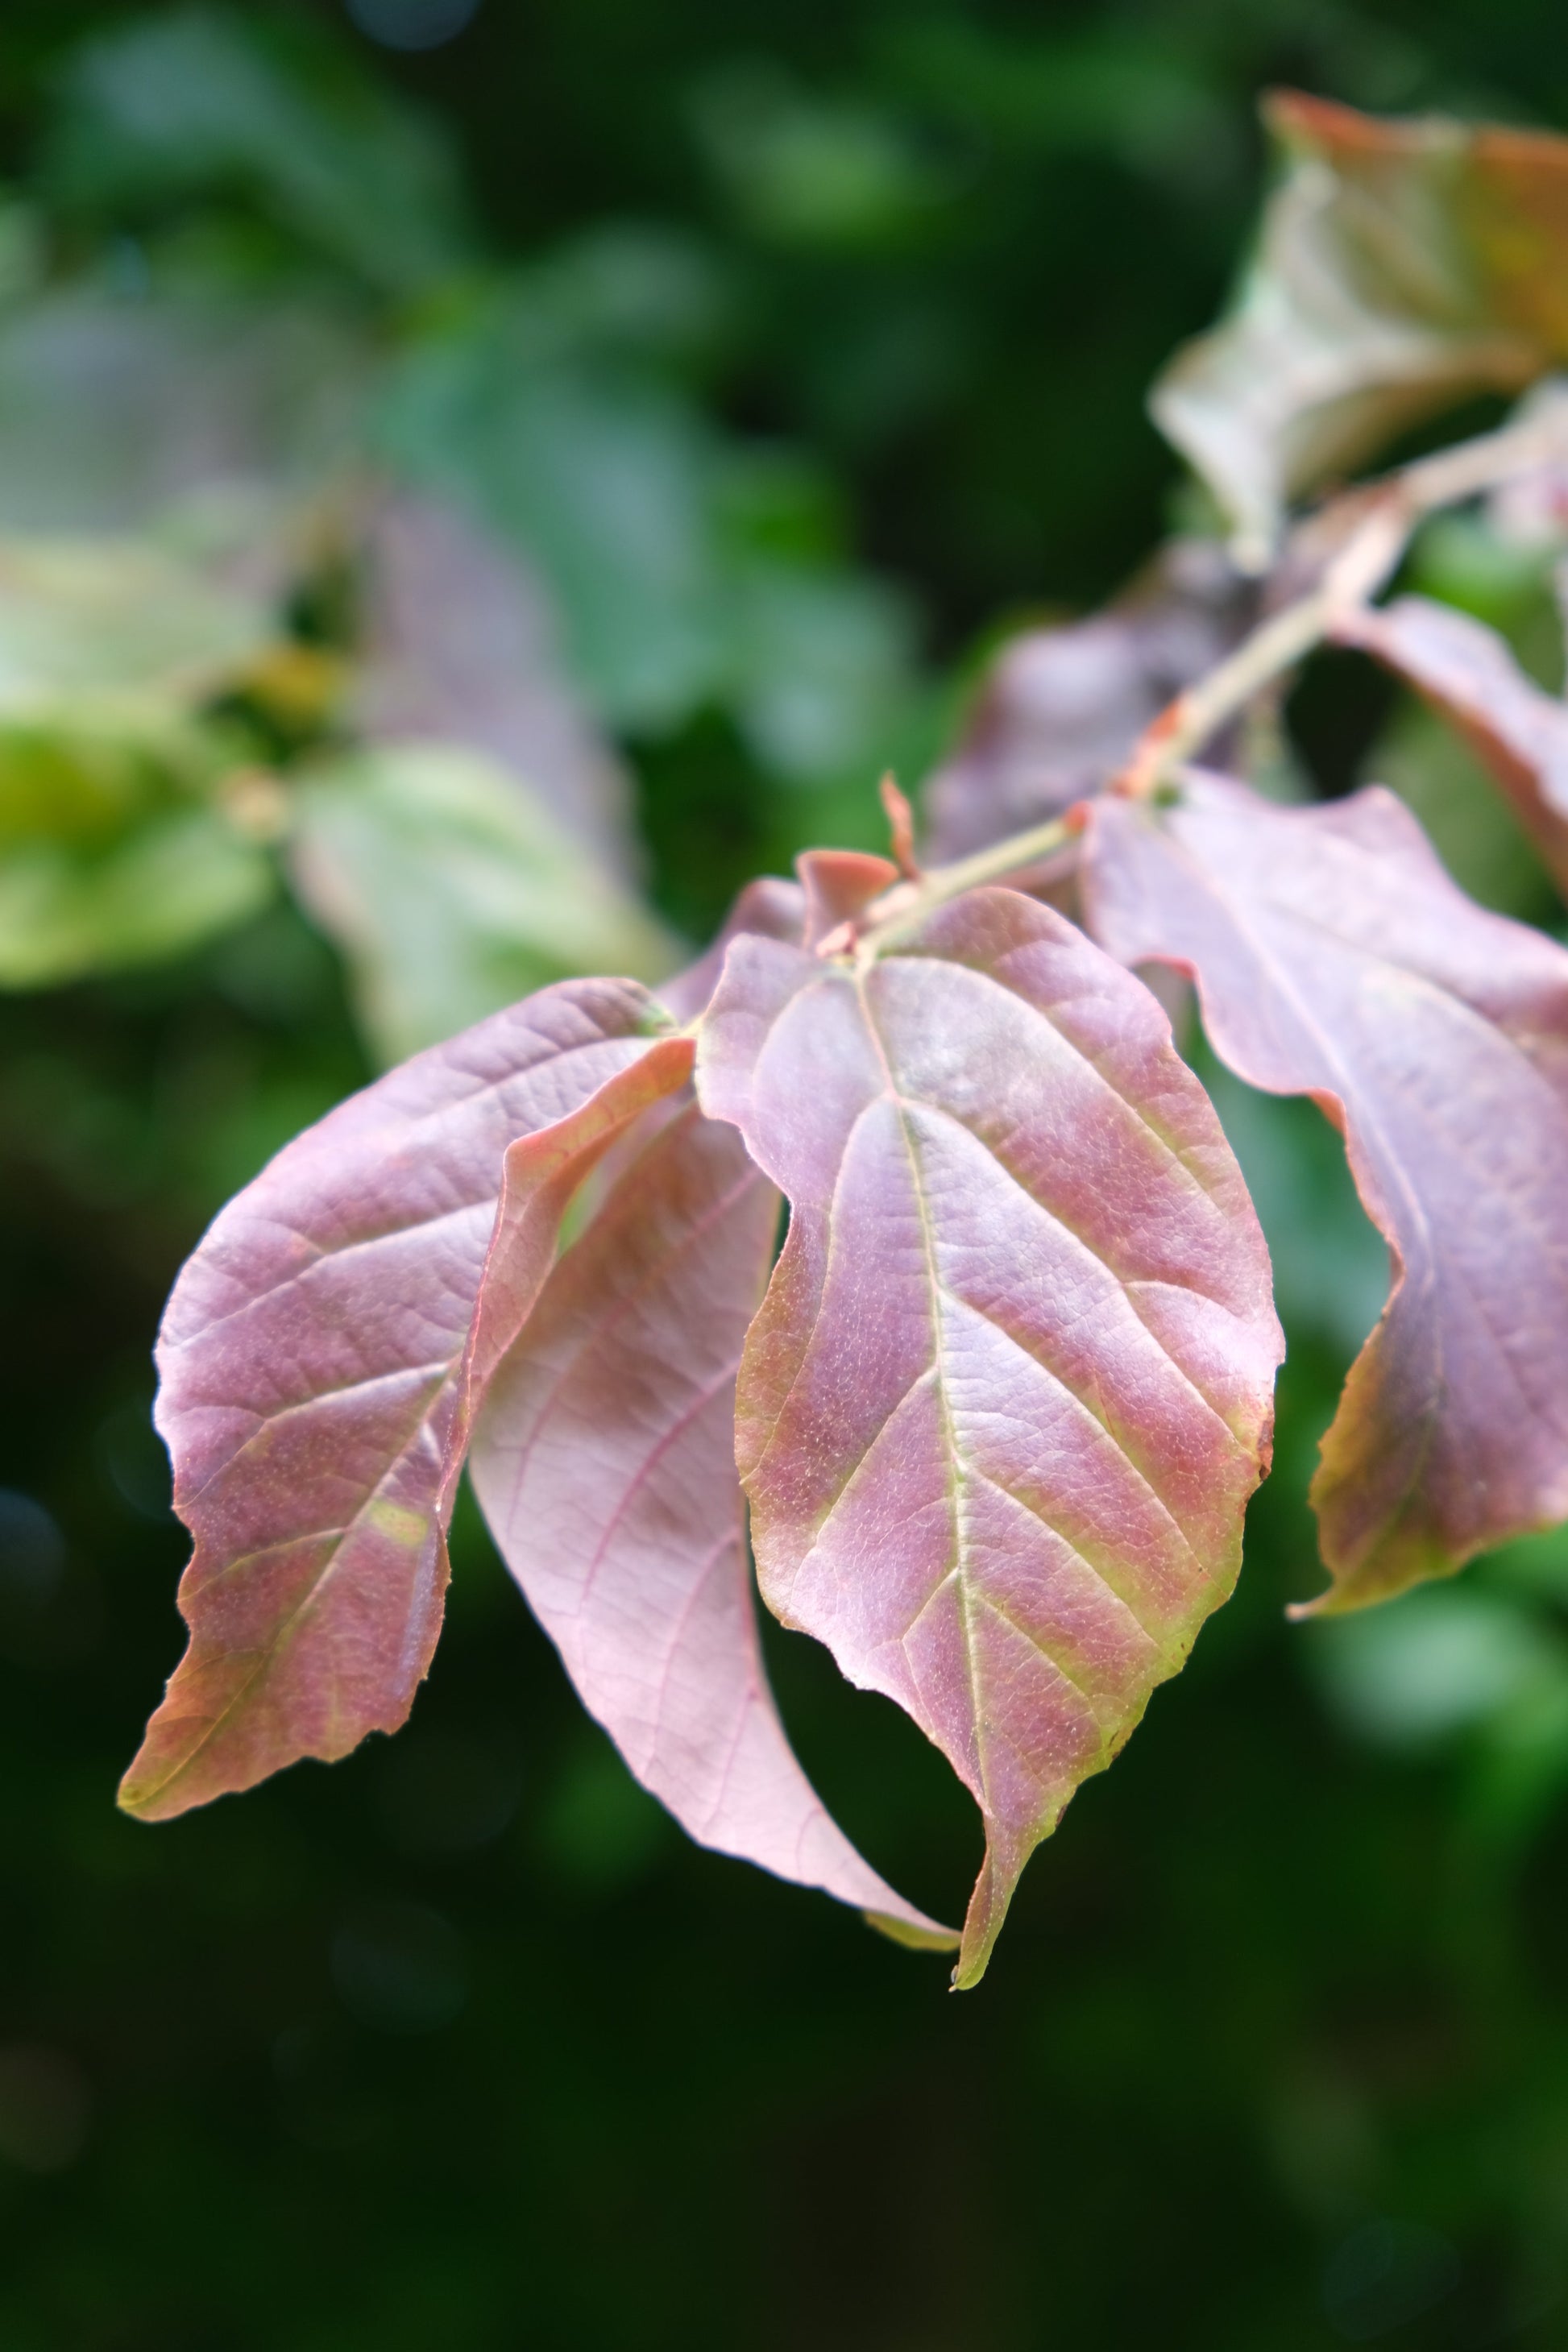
<point>1368,551</point>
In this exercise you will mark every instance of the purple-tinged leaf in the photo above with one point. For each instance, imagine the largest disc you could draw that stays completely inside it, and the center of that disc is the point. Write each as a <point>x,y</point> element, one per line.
<point>1061,708</point>
<point>459,647</point>
<point>770,906</point>
<point>317,1388</point>
<point>1011,1384</point>
<point>1334,958</point>
<point>604,1461</point>
<point>1469,672</point>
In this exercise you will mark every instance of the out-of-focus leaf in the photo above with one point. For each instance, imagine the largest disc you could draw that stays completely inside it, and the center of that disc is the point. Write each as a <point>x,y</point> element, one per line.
<point>1443,1662</point>
<point>114,412</point>
<point>603,478</point>
<point>109,852</point>
<point>67,909</point>
<point>1335,958</point>
<point>84,771</point>
<point>1331,1268</point>
<point>824,669</point>
<point>1466,672</point>
<point>674,586</point>
<point>1401,267</point>
<point>809,171</point>
<point>207,100</point>
<point>1528,513</point>
<point>628,287</point>
<point>121,618</point>
<point>1061,708</point>
<point>453,891</point>
<point>604,1459</point>
<point>458,644</point>
<point>1011,1384</point>
<point>321,1359</point>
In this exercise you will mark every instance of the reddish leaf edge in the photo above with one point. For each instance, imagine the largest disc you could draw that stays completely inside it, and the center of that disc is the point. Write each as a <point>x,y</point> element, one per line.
<point>833,882</point>
<point>540,1173</point>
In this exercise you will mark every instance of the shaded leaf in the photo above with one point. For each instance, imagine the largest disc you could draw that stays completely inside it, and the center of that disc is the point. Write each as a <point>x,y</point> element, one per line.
<point>67,909</point>
<point>117,617</point>
<point>603,477</point>
<point>211,100</point>
<point>1061,708</point>
<point>1401,267</point>
<point>1467,671</point>
<point>604,1461</point>
<point>1334,958</point>
<point>1010,1387</point>
<point>321,1359</point>
<point>678,580</point>
<point>115,411</point>
<point>823,664</point>
<point>458,644</point>
<point>453,892</point>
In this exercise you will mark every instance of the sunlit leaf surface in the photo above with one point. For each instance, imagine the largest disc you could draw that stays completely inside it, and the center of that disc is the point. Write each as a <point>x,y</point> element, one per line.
<point>1011,1385</point>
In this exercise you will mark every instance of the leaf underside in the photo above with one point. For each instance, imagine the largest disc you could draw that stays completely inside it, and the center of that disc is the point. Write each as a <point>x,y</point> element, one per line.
<point>1011,1384</point>
<point>1334,958</point>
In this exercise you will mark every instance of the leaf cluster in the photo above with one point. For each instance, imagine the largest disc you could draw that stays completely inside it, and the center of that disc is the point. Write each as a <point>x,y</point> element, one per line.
<point>995,1412</point>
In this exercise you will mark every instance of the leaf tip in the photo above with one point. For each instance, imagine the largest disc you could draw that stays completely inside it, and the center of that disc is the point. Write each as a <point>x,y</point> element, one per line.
<point>915,1934</point>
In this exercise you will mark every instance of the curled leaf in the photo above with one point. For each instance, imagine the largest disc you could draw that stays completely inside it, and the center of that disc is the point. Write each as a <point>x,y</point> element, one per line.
<point>318,1380</point>
<point>1011,1384</point>
<point>1334,958</point>
<point>1401,267</point>
<point>605,1462</point>
<point>1469,672</point>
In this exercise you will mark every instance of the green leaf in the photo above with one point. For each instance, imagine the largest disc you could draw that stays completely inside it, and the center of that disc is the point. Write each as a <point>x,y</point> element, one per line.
<point>118,617</point>
<point>660,544</point>
<point>205,100</point>
<point>1401,267</point>
<point>603,476</point>
<point>175,881</point>
<point>454,892</point>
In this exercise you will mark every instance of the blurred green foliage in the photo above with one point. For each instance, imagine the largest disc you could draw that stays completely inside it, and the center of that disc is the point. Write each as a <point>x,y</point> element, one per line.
<point>785,354</point>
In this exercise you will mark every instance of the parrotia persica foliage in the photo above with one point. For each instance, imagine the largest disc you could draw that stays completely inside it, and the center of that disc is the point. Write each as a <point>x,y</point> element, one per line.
<point>992,1413</point>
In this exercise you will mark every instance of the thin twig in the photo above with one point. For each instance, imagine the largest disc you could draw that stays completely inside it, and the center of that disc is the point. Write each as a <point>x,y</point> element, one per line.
<point>1364,563</point>
<point>1368,553</point>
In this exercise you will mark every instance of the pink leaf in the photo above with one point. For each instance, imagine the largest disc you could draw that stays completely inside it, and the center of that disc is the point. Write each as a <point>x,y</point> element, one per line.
<point>1010,1386</point>
<point>1469,672</point>
<point>605,1462</point>
<point>1334,958</point>
<point>314,1395</point>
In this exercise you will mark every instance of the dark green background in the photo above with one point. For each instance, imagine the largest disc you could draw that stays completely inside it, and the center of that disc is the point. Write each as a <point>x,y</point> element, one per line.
<point>459,2044</point>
